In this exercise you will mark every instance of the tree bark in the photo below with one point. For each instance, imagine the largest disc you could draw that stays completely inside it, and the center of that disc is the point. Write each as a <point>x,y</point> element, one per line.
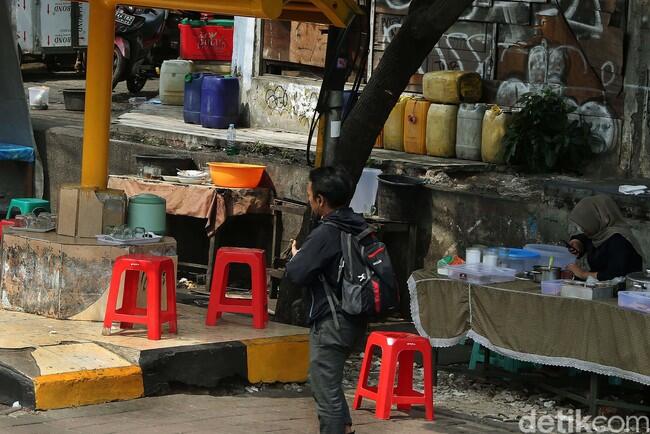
<point>425,23</point>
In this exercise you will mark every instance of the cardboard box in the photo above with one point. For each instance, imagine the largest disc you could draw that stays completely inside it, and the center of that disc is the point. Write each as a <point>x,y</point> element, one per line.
<point>86,212</point>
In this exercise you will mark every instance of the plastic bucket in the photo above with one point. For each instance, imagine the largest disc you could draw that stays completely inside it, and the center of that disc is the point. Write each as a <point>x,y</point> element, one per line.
<point>398,197</point>
<point>365,194</point>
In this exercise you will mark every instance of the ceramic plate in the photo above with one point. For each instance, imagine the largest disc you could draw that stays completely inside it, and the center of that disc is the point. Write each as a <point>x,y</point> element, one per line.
<point>170,178</point>
<point>191,180</point>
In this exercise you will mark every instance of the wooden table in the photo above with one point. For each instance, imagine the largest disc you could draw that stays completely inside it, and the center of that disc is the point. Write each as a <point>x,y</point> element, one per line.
<point>514,319</point>
<point>205,201</point>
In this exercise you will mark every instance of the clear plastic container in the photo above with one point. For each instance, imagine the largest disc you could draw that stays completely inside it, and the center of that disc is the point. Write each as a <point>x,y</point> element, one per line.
<point>481,274</point>
<point>560,254</point>
<point>518,259</point>
<point>39,97</point>
<point>232,148</point>
<point>473,255</point>
<point>491,257</point>
<point>635,300</point>
<point>552,287</point>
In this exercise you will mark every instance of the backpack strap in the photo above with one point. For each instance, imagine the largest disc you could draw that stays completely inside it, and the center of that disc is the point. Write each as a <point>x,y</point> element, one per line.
<point>331,297</point>
<point>368,231</point>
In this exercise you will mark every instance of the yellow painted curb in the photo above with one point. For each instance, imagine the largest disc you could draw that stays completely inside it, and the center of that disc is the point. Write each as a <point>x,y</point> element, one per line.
<point>283,359</point>
<point>88,387</point>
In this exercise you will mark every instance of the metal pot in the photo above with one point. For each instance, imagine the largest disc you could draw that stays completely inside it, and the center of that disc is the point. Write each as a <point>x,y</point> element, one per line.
<point>639,281</point>
<point>543,273</point>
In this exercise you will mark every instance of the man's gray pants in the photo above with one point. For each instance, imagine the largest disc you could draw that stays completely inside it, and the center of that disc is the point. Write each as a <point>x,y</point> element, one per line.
<point>329,348</point>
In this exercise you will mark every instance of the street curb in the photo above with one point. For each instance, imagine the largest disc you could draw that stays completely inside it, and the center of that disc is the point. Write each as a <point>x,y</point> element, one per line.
<point>271,360</point>
<point>73,389</point>
<point>282,359</point>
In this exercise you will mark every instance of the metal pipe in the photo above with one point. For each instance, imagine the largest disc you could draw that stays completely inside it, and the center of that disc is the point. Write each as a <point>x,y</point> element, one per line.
<point>97,118</point>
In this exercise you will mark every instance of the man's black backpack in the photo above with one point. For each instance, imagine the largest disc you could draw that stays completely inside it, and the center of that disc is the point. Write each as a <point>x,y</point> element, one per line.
<point>366,276</point>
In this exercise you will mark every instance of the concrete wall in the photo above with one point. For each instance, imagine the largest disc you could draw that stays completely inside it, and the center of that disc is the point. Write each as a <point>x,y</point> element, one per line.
<point>450,219</point>
<point>273,102</point>
<point>284,103</point>
<point>602,59</point>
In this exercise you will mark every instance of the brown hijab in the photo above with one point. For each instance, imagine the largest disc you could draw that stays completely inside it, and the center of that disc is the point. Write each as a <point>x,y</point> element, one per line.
<point>600,218</point>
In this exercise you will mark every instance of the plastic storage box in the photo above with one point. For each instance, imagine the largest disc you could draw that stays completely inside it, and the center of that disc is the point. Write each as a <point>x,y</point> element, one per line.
<point>481,274</point>
<point>585,292</point>
<point>206,40</point>
<point>560,254</point>
<point>518,259</point>
<point>552,287</point>
<point>635,300</point>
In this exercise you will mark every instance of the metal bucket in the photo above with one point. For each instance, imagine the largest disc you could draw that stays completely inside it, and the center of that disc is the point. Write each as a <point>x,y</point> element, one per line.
<point>398,197</point>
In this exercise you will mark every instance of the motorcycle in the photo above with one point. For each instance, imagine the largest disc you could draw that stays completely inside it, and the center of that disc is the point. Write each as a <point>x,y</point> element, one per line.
<point>137,30</point>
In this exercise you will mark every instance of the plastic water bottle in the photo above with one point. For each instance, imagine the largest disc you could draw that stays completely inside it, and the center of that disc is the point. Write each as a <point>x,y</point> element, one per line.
<point>231,147</point>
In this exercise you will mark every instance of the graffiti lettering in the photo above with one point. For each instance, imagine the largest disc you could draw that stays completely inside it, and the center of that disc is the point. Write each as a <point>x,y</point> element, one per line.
<point>299,104</point>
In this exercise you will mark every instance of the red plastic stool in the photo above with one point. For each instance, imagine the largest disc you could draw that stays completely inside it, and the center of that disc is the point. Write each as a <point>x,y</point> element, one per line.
<point>7,223</point>
<point>396,348</point>
<point>219,303</point>
<point>130,313</point>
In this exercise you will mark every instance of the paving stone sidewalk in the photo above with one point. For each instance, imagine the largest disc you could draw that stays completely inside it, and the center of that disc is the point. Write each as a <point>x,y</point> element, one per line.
<point>246,414</point>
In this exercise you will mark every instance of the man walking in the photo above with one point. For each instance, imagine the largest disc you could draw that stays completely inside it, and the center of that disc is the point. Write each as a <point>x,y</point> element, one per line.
<point>314,265</point>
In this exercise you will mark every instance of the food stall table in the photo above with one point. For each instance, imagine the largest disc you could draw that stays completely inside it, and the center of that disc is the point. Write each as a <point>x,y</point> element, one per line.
<point>204,201</point>
<point>516,320</point>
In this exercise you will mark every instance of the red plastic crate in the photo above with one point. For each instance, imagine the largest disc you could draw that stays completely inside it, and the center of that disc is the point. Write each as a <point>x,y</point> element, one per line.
<point>207,42</point>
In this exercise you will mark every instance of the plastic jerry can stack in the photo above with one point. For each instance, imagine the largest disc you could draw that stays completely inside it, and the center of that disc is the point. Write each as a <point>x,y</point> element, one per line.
<point>441,130</point>
<point>469,131</point>
<point>452,87</point>
<point>172,81</point>
<point>415,125</point>
<point>219,101</point>
<point>192,98</point>
<point>495,125</point>
<point>394,127</point>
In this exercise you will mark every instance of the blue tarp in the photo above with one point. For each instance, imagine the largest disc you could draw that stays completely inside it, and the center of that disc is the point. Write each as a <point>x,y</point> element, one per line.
<point>10,152</point>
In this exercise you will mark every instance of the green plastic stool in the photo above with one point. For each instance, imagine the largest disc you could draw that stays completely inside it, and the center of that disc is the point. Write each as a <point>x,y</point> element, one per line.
<point>27,205</point>
<point>505,363</point>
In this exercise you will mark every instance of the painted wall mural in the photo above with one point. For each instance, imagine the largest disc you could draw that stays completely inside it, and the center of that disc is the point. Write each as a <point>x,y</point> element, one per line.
<point>573,46</point>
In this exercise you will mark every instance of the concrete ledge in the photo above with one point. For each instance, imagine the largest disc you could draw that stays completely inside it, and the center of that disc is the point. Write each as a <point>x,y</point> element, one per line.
<point>73,389</point>
<point>47,363</point>
<point>277,359</point>
<point>195,365</point>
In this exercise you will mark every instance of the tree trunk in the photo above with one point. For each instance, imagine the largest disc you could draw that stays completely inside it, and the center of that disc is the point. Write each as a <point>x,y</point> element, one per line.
<point>425,23</point>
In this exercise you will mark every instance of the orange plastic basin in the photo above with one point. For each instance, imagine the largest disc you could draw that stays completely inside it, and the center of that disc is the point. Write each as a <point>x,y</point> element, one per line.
<point>234,175</point>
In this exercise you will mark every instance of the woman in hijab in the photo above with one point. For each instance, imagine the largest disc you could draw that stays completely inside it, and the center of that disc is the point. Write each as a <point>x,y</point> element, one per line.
<point>611,248</point>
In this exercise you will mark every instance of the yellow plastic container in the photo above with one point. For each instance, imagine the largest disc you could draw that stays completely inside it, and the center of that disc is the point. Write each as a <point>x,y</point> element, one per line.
<point>394,127</point>
<point>416,111</point>
<point>441,130</point>
<point>495,125</point>
<point>452,87</point>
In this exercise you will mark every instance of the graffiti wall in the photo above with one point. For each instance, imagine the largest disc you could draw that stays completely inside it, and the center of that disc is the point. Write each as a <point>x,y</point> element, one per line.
<point>573,46</point>
<point>284,104</point>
